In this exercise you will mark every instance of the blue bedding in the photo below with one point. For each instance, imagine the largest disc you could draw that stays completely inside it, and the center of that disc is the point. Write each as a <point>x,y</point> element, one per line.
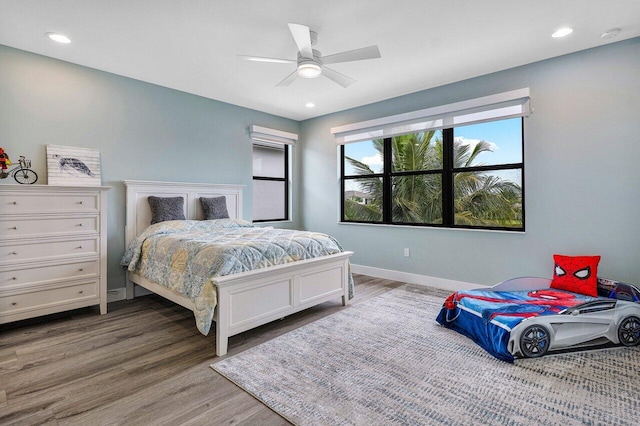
<point>487,317</point>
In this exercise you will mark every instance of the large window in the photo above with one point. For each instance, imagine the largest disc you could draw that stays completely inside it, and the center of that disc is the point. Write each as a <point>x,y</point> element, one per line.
<point>270,182</point>
<point>463,177</point>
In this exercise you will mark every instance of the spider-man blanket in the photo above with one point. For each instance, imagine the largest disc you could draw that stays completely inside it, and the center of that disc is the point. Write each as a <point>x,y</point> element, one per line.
<point>487,317</point>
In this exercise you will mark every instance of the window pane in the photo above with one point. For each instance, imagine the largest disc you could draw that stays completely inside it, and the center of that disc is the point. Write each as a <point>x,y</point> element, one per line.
<point>268,162</point>
<point>488,198</point>
<point>417,151</point>
<point>363,199</point>
<point>268,200</point>
<point>363,158</point>
<point>417,199</point>
<point>501,143</point>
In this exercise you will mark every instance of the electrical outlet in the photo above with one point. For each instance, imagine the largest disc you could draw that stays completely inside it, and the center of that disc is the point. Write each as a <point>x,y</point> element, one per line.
<point>406,252</point>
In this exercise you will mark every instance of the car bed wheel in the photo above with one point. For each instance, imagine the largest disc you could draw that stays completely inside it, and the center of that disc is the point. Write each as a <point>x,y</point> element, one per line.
<point>534,341</point>
<point>629,331</point>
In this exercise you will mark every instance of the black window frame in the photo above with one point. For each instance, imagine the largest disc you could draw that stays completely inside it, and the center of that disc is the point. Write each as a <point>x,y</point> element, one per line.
<point>284,179</point>
<point>447,173</point>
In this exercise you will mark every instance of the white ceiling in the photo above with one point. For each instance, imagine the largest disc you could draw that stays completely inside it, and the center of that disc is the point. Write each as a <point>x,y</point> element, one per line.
<point>191,45</point>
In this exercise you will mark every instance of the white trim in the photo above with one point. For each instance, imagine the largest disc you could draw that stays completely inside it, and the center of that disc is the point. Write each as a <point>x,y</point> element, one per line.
<point>410,278</point>
<point>272,136</point>
<point>499,106</point>
<point>116,294</point>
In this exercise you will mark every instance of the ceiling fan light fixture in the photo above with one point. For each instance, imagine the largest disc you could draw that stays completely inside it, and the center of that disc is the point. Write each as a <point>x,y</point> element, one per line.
<point>309,70</point>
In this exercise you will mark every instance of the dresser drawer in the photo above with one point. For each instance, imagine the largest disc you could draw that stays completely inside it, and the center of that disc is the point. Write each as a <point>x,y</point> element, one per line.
<point>44,298</point>
<point>46,250</point>
<point>34,274</point>
<point>18,228</point>
<point>20,203</point>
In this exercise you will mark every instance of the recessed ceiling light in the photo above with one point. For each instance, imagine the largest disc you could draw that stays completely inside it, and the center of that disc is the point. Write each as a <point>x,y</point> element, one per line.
<point>562,32</point>
<point>310,105</point>
<point>59,38</point>
<point>610,34</point>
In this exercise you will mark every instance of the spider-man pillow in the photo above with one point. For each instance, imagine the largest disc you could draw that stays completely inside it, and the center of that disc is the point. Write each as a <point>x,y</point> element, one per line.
<point>578,274</point>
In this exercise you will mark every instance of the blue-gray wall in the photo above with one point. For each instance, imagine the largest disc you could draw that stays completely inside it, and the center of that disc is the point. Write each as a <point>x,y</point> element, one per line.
<point>582,172</point>
<point>581,155</point>
<point>143,131</point>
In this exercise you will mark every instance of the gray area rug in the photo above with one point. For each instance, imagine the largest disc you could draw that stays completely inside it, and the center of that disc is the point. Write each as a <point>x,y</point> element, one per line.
<point>386,361</point>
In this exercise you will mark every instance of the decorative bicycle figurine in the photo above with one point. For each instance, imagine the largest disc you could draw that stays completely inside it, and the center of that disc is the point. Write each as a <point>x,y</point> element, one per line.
<point>22,173</point>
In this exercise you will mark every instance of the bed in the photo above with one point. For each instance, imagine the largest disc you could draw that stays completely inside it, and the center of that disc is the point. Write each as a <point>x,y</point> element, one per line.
<point>242,300</point>
<point>526,317</point>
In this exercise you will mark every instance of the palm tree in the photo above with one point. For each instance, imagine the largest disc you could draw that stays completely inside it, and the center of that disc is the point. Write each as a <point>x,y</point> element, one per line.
<point>479,198</point>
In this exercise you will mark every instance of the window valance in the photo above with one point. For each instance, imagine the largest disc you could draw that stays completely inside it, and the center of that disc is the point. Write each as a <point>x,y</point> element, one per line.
<point>270,137</point>
<point>488,108</point>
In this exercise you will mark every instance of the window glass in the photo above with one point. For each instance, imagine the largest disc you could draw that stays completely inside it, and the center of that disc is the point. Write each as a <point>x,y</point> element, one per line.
<point>362,158</point>
<point>417,151</point>
<point>417,199</point>
<point>268,162</point>
<point>486,144</point>
<point>363,199</point>
<point>269,200</point>
<point>491,198</point>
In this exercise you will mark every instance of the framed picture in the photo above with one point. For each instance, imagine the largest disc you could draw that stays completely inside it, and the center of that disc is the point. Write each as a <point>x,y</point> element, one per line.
<point>71,165</point>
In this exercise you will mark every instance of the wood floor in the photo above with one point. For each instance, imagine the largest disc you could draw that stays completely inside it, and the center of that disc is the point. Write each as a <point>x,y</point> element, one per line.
<point>142,363</point>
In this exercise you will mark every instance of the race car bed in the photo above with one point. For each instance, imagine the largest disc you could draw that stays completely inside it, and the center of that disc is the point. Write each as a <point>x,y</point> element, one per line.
<point>526,317</point>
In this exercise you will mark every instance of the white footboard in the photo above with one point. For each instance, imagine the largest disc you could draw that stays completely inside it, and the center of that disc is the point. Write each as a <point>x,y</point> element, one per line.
<point>253,298</point>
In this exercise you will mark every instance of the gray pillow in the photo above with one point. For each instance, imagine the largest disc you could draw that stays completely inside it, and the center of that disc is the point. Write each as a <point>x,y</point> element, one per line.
<point>214,208</point>
<point>166,208</point>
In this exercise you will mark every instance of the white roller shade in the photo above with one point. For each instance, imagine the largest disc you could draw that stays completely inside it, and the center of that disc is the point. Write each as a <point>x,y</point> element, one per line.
<point>488,108</point>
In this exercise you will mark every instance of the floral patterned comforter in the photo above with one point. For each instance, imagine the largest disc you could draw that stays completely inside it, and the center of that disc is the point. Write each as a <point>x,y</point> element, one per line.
<point>183,254</point>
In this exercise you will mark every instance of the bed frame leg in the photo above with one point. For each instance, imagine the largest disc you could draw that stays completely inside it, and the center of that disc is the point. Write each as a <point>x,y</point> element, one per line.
<point>222,342</point>
<point>129,289</point>
<point>222,323</point>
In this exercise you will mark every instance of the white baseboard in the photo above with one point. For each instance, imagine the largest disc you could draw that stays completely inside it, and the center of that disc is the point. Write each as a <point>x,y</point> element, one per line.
<point>413,278</point>
<point>116,294</point>
<point>121,293</point>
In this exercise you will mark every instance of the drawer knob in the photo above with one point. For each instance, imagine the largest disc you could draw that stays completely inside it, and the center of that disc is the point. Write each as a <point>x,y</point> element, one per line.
<point>15,203</point>
<point>14,278</point>
<point>79,247</point>
<point>79,224</point>
<point>14,253</point>
<point>81,291</point>
<point>79,202</point>
<point>15,228</point>
<point>81,269</point>
<point>14,303</point>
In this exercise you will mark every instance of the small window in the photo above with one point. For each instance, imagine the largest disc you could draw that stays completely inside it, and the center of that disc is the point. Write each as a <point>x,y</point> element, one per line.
<point>270,182</point>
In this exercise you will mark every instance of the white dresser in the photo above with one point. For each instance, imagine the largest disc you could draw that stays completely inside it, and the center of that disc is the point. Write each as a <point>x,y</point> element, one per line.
<point>53,249</point>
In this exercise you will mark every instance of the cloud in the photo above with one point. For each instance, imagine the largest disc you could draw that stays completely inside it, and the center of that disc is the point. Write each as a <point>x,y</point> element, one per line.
<point>374,160</point>
<point>473,142</point>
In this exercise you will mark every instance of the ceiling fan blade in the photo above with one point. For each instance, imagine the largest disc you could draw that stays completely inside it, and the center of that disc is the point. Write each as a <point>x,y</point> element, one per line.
<point>302,36</point>
<point>371,52</point>
<point>288,79</point>
<point>336,77</point>
<point>263,59</point>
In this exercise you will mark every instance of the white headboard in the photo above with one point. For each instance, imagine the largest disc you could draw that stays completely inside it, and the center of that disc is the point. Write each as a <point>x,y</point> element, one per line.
<point>138,215</point>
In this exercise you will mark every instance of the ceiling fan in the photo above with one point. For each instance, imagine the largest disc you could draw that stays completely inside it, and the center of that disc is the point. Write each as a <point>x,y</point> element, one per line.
<point>311,64</point>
